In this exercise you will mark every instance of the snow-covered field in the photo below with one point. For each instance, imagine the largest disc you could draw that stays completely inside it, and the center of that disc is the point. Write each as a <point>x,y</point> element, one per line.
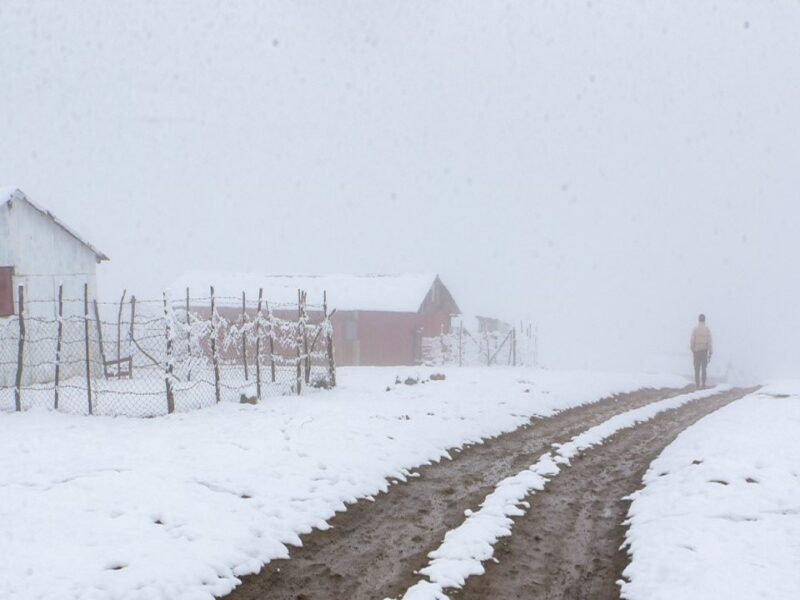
<point>180,506</point>
<point>719,516</point>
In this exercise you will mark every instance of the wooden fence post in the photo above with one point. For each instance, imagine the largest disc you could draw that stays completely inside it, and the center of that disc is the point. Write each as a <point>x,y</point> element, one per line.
<point>20,348</point>
<point>188,338</point>
<point>271,342</point>
<point>214,356</point>
<point>59,337</point>
<point>514,346</point>
<point>258,344</point>
<point>119,334</point>
<point>168,373</point>
<point>298,341</point>
<point>86,346</point>
<point>460,337</point>
<point>100,337</point>
<point>131,334</point>
<point>244,337</point>
<point>329,341</point>
<point>305,340</point>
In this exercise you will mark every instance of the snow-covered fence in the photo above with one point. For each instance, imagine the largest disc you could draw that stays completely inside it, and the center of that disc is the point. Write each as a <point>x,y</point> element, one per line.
<point>514,347</point>
<point>150,357</point>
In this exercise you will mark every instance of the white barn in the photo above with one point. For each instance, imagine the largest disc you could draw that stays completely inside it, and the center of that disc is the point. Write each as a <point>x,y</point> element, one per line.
<point>40,252</point>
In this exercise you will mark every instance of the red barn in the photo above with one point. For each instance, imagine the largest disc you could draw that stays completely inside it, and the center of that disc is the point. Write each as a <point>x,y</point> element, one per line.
<point>379,319</point>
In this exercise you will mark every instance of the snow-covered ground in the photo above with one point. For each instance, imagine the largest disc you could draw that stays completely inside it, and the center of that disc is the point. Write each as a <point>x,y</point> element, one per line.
<point>180,506</point>
<point>719,516</point>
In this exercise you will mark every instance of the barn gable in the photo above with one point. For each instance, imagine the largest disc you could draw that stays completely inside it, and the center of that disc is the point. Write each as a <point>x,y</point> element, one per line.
<point>9,196</point>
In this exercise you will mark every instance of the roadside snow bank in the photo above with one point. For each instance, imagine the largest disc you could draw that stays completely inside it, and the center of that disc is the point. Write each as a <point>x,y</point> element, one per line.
<point>181,506</point>
<point>719,516</point>
<point>466,547</point>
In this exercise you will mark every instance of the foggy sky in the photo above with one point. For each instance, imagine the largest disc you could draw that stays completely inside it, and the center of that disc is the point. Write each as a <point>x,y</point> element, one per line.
<point>607,170</point>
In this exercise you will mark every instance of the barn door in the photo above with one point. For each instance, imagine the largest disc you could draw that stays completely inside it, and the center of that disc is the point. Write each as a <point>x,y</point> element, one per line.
<point>6,291</point>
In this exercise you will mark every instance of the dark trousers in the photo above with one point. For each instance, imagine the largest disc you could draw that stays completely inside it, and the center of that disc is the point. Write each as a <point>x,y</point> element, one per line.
<point>700,365</point>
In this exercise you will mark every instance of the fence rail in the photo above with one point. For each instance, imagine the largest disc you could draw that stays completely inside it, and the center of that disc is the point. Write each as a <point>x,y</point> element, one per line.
<point>151,357</point>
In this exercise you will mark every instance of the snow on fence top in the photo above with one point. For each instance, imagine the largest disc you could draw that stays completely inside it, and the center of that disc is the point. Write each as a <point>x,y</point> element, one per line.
<point>391,293</point>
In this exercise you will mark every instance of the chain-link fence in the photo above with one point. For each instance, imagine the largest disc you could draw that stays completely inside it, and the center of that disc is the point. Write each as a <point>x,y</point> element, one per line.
<point>464,347</point>
<point>151,357</point>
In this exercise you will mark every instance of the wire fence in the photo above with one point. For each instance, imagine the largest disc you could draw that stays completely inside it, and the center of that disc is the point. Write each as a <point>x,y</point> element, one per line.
<point>152,357</point>
<point>464,347</point>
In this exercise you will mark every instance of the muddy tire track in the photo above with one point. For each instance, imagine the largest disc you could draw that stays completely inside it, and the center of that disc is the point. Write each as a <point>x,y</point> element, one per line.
<point>373,548</point>
<point>567,545</point>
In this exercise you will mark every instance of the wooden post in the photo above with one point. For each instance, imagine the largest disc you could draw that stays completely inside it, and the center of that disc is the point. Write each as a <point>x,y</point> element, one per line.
<point>168,373</point>
<point>244,337</point>
<point>298,341</point>
<point>59,337</point>
<point>86,346</point>
<point>460,338</point>
<point>119,334</point>
<point>305,340</point>
<point>188,338</point>
<point>329,341</point>
<point>258,344</point>
<point>514,347</point>
<point>271,343</point>
<point>20,348</point>
<point>214,356</point>
<point>133,320</point>
<point>100,337</point>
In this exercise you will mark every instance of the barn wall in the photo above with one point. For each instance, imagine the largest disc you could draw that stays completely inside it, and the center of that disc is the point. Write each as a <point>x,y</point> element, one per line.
<point>379,338</point>
<point>44,256</point>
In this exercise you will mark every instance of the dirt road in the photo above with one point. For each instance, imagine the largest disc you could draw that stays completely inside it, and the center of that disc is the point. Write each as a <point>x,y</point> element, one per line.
<point>567,545</point>
<point>373,549</point>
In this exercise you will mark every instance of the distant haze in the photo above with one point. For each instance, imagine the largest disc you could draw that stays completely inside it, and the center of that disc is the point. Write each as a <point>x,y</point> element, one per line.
<point>608,171</point>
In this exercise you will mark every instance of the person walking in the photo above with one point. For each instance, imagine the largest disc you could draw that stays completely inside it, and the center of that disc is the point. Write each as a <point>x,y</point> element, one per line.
<point>702,347</point>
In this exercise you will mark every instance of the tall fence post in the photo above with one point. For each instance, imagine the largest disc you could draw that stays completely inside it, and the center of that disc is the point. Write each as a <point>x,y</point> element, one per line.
<point>100,336</point>
<point>60,335</point>
<point>188,338</point>
<point>20,348</point>
<point>214,356</point>
<point>514,346</point>
<point>258,344</point>
<point>271,343</point>
<point>168,373</point>
<point>86,346</point>
<point>329,340</point>
<point>119,334</point>
<point>298,342</point>
<point>460,348</point>
<point>131,333</point>
<point>304,325</point>
<point>244,336</point>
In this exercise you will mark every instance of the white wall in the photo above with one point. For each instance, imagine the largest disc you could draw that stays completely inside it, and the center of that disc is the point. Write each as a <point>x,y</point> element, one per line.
<point>44,255</point>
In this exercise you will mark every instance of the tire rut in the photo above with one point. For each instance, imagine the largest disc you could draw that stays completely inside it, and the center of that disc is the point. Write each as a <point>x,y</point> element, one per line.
<point>372,549</point>
<point>568,544</point>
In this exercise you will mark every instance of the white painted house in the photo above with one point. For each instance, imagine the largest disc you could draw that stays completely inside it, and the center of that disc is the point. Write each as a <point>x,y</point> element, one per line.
<point>40,252</point>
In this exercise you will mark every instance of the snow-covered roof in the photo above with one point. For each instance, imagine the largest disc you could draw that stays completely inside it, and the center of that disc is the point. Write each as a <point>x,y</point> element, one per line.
<point>391,293</point>
<point>14,194</point>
